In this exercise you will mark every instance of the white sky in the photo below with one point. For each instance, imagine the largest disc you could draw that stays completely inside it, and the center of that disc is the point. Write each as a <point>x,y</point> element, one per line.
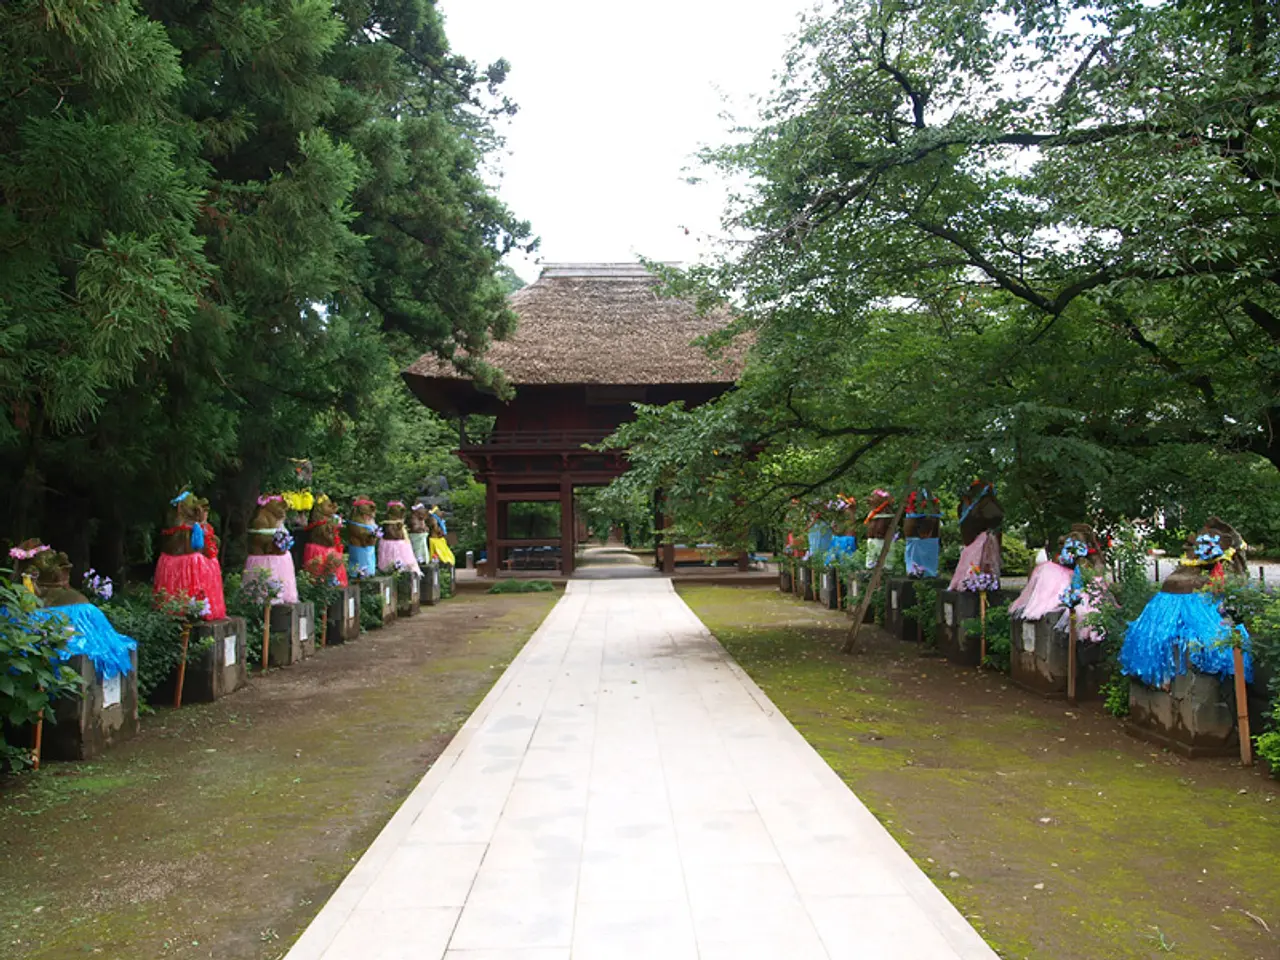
<point>614,101</point>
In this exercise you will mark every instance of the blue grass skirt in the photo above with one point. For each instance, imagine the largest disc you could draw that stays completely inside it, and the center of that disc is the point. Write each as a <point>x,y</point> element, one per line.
<point>94,637</point>
<point>820,537</point>
<point>841,548</point>
<point>362,561</point>
<point>922,556</point>
<point>1177,629</point>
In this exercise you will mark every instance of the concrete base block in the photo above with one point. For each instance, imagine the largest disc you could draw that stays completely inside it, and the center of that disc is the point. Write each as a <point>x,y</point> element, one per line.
<point>104,714</point>
<point>806,590</point>
<point>408,596</point>
<point>429,589</point>
<point>386,586</point>
<point>831,592</point>
<point>858,583</point>
<point>217,666</point>
<point>293,633</point>
<point>901,594</point>
<point>1039,656</point>
<point>955,607</point>
<point>1196,716</point>
<point>344,617</point>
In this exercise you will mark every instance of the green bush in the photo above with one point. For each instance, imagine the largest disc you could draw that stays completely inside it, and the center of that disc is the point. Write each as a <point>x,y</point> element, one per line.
<point>370,609</point>
<point>522,586</point>
<point>1269,742</point>
<point>1016,558</point>
<point>446,581</point>
<point>159,637</point>
<point>925,610</point>
<point>999,636</point>
<point>31,675</point>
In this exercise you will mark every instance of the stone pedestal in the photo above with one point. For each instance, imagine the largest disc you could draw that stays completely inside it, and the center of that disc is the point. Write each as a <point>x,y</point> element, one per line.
<point>831,592</point>
<point>103,714</point>
<point>429,588</point>
<point>293,633</point>
<point>858,583</point>
<point>784,578</point>
<point>386,587</point>
<point>1195,717</point>
<point>954,607</point>
<point>344,617</point>
<point>806,589</point>
<point>409,602</point>
<point>1259,696</point>
<point>901,594</point>
<point>216,666</point>
<point>1038,659</point>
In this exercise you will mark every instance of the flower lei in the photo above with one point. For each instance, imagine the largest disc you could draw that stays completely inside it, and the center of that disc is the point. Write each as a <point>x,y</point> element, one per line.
<point>1073,551</point>
<point>282,539</point>
<point>885,503</point>
<point>17,553</point>
<point>977,581</point>
<point>269,498</point>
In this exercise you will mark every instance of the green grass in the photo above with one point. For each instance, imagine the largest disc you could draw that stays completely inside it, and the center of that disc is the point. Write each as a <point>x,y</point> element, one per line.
<point>1131,844</point>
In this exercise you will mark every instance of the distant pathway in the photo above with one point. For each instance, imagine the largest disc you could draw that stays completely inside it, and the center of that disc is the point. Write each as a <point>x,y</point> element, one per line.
<point>625,791</point>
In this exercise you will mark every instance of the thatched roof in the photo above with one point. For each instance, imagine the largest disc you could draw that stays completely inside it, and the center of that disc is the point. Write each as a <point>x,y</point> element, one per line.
<point>598,323</point>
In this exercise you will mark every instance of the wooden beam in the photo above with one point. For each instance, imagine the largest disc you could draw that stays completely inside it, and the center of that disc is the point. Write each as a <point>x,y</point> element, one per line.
<point>568,530</point>
<point>491,527</point>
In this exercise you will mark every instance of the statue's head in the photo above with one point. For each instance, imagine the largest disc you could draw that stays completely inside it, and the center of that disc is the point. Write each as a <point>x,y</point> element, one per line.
<point>184,509</point>
<point>879,516</point>
<point>1216,547</point>
<point>271,511</point>
<point>396,510</point>
<point>1081,548</point>
<point>48,571</point>
<point>923,518</point>
<point>418,518</point>
<point>979,510</point>
<point>323,509</point>
<point>363,510</point>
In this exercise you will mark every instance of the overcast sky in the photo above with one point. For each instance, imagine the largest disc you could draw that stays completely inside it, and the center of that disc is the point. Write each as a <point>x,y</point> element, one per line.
<point>614,101</point>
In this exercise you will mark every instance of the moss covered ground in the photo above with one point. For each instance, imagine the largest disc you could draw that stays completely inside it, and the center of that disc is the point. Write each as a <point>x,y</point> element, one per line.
<point>222,828</point>
<point>1057,835</point>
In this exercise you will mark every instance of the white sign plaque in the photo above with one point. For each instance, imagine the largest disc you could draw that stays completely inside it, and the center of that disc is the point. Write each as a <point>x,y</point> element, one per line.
<point>893,599</point>
<point>948,615</point>
<point>304,631</point>
<point>229,651</point>
<point>111,691</point>
<point>351,608</point>
<point>1028,635</point>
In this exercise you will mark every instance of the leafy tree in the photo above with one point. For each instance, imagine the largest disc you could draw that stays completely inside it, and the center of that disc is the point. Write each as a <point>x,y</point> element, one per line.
<point>100,264</point>
<point>1029,239</point>
<point>320,168</point>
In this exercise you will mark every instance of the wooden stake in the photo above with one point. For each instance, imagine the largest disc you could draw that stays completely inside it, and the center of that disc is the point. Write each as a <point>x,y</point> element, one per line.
<point>324,627</point>
<point>1073,638</point>
<point>851,640</point>
<point>982,613</point>
<point>266,635</point>
<point>39,737</point>
<point>1242,708</point>
<point>182,667</point>
<point>839,591</point>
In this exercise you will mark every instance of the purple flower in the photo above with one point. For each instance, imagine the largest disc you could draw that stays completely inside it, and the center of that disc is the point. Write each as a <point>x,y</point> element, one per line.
<point>977,582</point>
<point>98,585</point>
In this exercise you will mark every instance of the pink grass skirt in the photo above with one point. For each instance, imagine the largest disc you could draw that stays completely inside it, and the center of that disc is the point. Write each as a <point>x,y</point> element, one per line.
<point>280,570</point>
<point>1043,593</point>
<point>391,551</point>
<point>983,553</point>
<point>314,555</point>
<point>193,575</point>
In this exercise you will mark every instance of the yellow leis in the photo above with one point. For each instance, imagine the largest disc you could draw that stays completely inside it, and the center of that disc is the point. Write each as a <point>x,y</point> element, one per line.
<point>299,500</point>
<point>1227,556</point>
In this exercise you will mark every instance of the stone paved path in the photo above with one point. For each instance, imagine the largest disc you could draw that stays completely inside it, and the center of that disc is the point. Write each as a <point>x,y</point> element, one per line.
<point>625,791</point>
